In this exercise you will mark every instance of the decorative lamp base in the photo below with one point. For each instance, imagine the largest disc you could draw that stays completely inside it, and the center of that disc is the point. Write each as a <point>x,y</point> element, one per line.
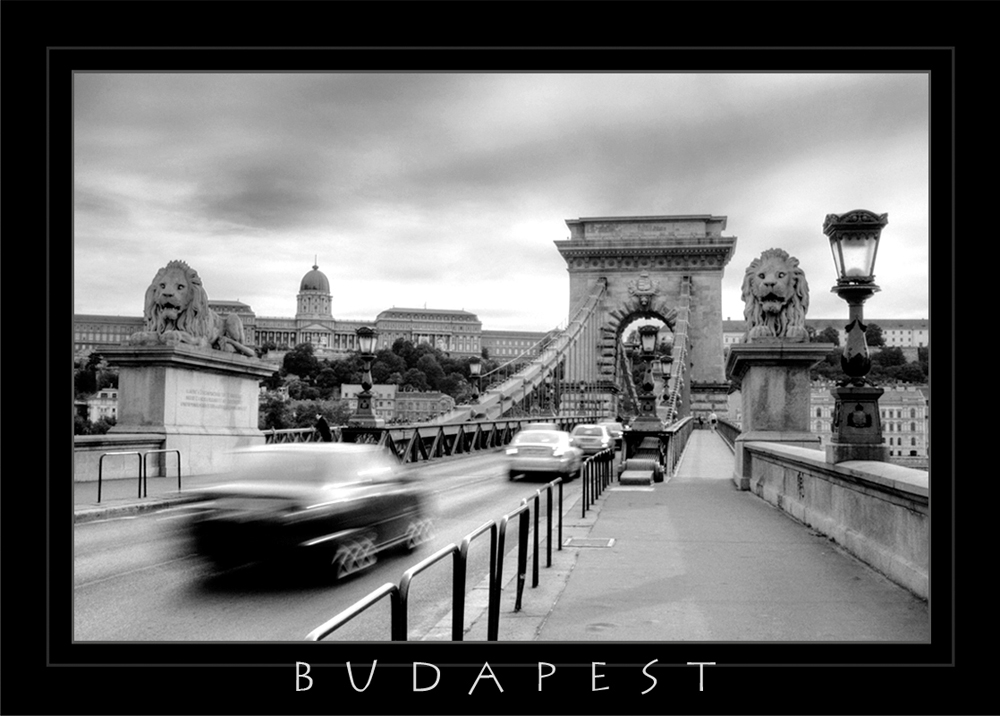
<point>857,425</point>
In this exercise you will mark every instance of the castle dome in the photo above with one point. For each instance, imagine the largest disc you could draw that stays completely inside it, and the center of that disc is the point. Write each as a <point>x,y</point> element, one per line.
<point>315,280</point>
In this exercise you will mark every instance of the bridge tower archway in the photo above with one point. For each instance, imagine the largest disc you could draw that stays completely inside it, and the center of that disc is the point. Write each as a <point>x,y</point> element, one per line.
<point>668,268</point>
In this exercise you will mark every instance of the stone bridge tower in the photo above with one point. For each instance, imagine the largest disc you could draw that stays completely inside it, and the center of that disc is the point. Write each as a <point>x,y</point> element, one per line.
<point>664,267</point>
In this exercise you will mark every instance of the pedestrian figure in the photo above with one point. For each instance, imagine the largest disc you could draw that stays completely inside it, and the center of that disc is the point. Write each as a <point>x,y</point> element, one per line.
<point>323,428</point>
<point>713,419</point>
<point>701,422</point>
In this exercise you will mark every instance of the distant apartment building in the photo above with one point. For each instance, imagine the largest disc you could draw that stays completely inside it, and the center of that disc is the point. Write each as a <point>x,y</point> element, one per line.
<point>898,333</point>
<point>905,414</point>
<point>102,404</point>
<point>507,345</point>
<point>393,403</point>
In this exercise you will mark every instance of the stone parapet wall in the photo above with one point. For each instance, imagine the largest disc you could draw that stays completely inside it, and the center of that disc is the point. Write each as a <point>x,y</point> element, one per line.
<point>877,511</point>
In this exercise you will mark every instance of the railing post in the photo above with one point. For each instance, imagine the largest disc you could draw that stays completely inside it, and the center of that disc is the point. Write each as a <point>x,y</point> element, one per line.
<point>522,557</point>
<point>534,567</point>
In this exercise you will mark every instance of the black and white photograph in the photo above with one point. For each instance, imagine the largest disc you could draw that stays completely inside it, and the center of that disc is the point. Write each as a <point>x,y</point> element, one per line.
<point>488,384</point>
<point>638,284</point>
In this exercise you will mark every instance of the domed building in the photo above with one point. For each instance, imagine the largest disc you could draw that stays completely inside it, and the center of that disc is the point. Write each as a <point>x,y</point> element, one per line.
<point>314,296</point>
<point>313,323</point>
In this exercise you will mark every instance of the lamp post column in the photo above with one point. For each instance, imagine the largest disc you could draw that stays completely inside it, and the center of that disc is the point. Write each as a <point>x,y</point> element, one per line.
<point>857,424</point>
<point>364,416</point>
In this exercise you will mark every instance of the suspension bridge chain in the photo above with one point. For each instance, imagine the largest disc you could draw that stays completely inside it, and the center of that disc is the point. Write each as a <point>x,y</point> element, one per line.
<point>678,368</point>
<point>509,384</point>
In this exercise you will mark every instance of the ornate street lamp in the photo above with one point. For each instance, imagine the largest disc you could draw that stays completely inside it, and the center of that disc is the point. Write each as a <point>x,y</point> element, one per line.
<point>363,416</point>
<point>475,370</point>
<point>647,338</point>
<point>647,418</point>
<point>854,239</point>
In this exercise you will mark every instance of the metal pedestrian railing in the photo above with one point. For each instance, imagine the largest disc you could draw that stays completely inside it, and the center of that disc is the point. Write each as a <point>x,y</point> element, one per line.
<point>143,469</point>
<point>399,594</point>
<point>595,475</point>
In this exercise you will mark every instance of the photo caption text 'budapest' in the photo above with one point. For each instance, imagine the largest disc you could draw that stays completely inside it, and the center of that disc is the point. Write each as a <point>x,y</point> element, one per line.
<point>427,676</point>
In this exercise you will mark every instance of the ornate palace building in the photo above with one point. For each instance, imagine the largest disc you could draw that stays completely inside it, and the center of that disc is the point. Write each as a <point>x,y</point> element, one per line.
<point>458,333</point>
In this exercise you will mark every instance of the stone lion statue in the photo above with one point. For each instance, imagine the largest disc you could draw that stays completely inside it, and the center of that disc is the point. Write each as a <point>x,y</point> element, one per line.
<point>775,297</point>
<point>177,311</point>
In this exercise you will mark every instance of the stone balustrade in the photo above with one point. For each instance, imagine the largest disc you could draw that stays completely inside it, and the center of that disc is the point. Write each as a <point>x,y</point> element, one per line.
<point>877,511</point>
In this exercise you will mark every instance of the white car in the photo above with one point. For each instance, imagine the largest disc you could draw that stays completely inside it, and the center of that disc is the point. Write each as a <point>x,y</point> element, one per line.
<point>592,439</point>
<point>543,451</point>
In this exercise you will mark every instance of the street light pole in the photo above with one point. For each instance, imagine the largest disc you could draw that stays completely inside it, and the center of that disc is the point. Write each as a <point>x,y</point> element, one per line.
<point>475,370</point>
<point>647,418</point>
<point>364,416</point>
<point>854,239</point>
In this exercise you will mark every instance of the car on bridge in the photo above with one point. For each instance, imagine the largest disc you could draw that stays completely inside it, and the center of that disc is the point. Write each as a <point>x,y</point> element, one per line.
<point>592,438</point>
<point>330,506</point>
<point>616,429</point>
<point>543,451</point>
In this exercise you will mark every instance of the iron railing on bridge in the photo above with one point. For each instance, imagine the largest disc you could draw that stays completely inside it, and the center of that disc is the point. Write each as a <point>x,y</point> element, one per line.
<point>398,594</point>
<point>420,443</point>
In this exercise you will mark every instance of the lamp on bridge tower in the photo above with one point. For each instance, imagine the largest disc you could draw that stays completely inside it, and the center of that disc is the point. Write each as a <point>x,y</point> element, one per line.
<point>857,428</point>
<point>665,363</point>
<point>475,371</point>
<point>647,418</point>
<point>364,416</point>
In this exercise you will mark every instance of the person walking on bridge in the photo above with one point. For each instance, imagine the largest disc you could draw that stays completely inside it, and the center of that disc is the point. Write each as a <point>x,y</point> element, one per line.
<point>323,428</point>
<point>713,420</point>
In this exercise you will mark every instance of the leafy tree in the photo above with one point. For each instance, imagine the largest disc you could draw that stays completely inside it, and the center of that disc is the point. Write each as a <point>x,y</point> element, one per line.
<point>82,426</point>
<point>873,335</point>
<point>829,368</point>
<point>429,366</point>
<point>301,390</point>
<point>907,373</point>
<point>93,374</point>
<point>274,382</point>
<point>327,381</point>
<point>387,364</point>
<point>827,335</point>
<point>265,348</point>
<point>416,379</point>
<point>274,412</point>
<point>301,361</point>
<point>888,357</point>
<point>304,412</point>
<point>404,349</point>
<point>456,385</point>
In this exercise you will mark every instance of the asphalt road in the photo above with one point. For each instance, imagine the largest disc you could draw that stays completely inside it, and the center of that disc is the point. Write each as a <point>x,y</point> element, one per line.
<point>136,578</point>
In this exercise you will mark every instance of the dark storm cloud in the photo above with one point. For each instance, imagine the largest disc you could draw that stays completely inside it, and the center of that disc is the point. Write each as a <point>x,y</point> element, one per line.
<point>414,187</point>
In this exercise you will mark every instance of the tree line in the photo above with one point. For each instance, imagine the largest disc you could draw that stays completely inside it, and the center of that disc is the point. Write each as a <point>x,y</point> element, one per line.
<point>313,383</point>
<point>889,364</point>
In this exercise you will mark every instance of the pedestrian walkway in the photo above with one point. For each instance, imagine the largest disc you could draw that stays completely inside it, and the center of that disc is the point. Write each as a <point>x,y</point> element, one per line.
<point>695,559</point>
<point>124,496</point>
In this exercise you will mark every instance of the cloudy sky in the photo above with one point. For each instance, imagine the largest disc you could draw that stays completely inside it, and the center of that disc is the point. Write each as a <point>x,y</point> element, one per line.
<point>448,190</point>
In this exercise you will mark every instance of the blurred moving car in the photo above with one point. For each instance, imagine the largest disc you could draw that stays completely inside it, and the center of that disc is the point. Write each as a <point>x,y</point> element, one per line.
<point>337,505</point>
<point>543,451</point>
<point>616,431</point>
<point>592,438</point>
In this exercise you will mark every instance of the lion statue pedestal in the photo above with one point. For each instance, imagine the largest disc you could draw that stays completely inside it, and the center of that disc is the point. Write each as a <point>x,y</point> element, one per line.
<point>773,379</point>
<point>204,403</point>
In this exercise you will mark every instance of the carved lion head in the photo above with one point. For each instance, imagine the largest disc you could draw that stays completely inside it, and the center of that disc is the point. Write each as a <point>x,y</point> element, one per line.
<point>775,296</point>
<point>176,300</point>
